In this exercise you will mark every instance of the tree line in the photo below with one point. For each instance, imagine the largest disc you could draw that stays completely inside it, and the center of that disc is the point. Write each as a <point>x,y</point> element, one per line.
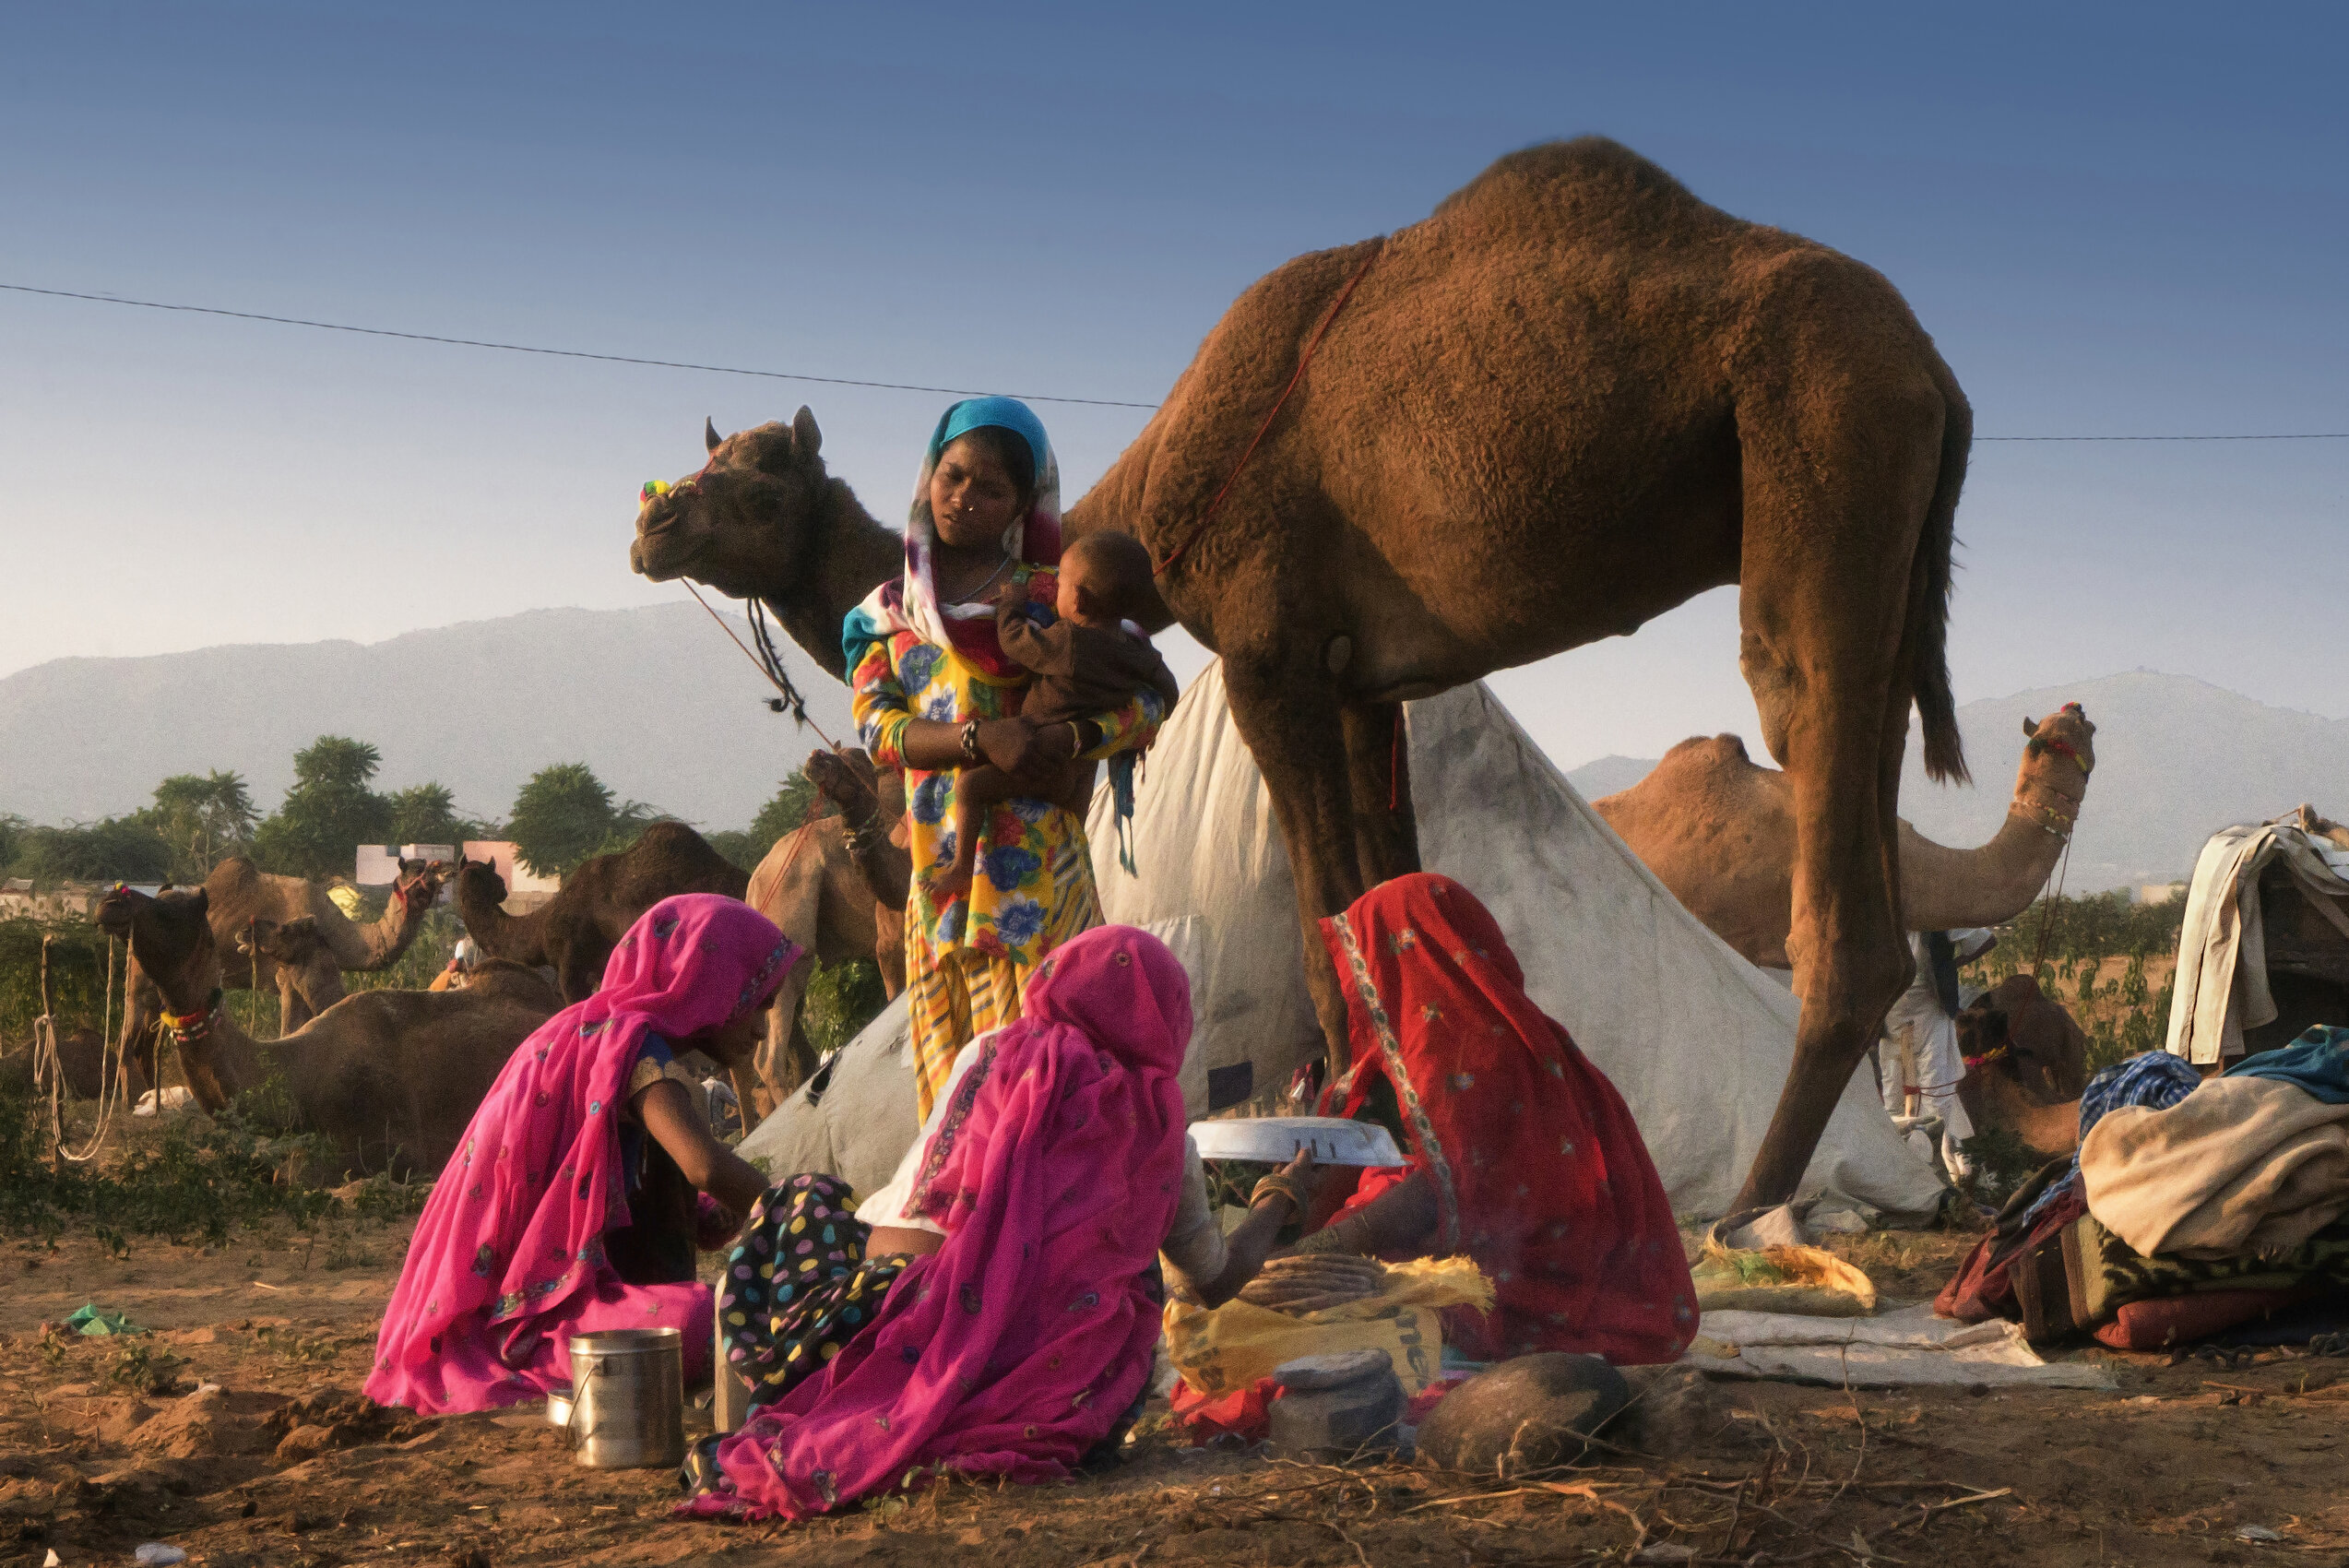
<point>562,815</point>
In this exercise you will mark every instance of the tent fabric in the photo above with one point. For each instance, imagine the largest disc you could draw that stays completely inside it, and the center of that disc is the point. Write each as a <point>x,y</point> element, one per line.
<point>2222,986</point>
<point>1697,1040</point>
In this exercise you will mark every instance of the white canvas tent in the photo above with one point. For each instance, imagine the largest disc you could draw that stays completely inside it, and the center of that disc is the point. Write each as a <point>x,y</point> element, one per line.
<point>1696,1039</point>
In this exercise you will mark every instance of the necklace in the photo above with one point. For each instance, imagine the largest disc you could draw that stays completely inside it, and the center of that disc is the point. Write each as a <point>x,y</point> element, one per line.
<point>985,583</point>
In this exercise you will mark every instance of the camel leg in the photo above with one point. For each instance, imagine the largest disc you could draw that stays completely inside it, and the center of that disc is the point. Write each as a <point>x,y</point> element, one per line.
<point>1291,718</point>
<point>1386,833</point>
<point>1827,655</point>
<point>777,1068</point>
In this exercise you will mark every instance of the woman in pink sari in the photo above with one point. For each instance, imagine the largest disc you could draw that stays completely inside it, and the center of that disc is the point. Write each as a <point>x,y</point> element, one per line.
<point>570,1207</point>
<point>1018,1342</point>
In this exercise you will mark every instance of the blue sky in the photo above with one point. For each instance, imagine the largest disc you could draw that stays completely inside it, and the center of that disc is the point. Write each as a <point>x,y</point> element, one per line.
<point>2113,220</point>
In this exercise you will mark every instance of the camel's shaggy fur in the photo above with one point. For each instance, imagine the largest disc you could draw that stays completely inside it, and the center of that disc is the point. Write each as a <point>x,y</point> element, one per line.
<point>1572,399</point>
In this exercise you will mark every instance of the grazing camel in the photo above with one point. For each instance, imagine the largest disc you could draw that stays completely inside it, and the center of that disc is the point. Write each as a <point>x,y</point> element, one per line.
<point>389,1078</point>
<point>1719,831</point>
<point>241,894</point>
<point>574,932</point>
<point>1573,398</point>
<point>2026,1065</point>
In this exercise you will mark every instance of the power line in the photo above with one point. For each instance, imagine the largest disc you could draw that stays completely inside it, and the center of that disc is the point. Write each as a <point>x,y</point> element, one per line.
<point>880,385</point>
<point>558,353</point>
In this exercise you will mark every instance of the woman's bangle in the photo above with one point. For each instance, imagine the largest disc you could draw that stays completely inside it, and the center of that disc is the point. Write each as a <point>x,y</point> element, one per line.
<point>970,744</point>
<point>1284,1186</point>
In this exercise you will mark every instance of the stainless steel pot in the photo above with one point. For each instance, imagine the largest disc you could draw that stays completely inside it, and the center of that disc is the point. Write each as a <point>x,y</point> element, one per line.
<point>628,1410</point>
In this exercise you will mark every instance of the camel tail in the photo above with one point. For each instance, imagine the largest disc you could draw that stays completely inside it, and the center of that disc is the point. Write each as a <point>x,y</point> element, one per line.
<point>1928,607</point>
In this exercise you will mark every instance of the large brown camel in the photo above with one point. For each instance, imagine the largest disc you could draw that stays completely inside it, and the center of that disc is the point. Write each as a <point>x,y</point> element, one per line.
<point>574,932</point>
<point>240,896</point>
<point>1719,831</point>
<point>389,1078</point>
<point>1572,399</point>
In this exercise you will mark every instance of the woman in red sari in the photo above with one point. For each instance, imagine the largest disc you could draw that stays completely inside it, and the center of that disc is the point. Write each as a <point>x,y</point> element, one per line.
<point>1523,1156</point>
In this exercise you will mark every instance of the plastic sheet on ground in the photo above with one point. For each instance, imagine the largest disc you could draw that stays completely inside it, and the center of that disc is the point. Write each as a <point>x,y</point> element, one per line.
<point>1910,1347</point>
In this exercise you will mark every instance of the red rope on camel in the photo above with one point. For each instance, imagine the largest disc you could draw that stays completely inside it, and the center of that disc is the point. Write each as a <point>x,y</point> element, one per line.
<point>1279,403</point>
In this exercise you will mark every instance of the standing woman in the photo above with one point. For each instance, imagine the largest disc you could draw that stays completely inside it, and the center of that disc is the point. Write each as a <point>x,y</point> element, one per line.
<point>935,690</point>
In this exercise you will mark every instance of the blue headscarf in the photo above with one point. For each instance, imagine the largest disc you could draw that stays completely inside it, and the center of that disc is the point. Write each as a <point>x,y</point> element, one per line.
<point>910,600</point>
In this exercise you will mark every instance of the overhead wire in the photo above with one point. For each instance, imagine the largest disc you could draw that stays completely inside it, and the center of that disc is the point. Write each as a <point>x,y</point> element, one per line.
<point>879,385</point>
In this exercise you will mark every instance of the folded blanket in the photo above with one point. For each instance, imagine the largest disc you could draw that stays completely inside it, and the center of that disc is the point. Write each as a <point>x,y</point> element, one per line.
<point>2317,1062</point>
<point>2082,1276</point>
<point>2243,1165</point>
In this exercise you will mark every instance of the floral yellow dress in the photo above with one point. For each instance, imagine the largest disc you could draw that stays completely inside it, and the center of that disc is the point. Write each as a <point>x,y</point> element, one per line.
<point>967,958</point>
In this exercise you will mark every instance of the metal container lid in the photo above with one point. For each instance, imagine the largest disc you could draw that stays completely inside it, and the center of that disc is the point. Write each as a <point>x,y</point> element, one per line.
<point>627,1342</point>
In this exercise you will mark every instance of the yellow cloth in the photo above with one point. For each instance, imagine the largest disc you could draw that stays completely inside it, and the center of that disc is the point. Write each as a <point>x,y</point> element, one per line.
<point>1220,1348</point>
<point>959,994</point>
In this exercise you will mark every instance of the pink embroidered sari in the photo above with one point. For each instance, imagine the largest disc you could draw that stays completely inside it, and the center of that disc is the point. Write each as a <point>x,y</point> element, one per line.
<point>508,1261</point>
<point>1017,1345</point>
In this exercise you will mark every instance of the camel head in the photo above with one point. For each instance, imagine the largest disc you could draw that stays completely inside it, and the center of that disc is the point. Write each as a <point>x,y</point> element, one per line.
<point>419,882</point>
<point>2020,1032</point>
<point>294,944</point>
<point>2064,740</point>
<point>477,881</point>
<point>748,516</point>
<point>171,937</point>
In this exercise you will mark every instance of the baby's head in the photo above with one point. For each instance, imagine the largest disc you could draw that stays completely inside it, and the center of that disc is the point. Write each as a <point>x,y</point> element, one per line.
<point>1105,578</point>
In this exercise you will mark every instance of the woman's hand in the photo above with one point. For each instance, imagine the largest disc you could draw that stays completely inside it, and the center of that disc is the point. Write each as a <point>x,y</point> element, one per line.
<point>1033,757</point>
<point>1275,1202</point>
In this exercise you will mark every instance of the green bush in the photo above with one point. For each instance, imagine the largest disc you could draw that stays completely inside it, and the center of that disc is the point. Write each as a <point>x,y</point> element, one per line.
<point>204,1179</point>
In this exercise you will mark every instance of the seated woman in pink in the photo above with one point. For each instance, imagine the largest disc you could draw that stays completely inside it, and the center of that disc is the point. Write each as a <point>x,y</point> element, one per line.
<point>570,1207</point>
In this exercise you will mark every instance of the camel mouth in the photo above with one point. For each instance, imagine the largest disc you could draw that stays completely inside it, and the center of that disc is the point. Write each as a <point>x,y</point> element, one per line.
<point>659,556</point>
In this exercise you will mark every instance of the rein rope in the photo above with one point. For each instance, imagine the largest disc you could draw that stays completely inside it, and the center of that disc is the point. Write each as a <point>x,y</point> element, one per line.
<point>1167,563</point>
<point>46,1057</point>
<point>768,661</point>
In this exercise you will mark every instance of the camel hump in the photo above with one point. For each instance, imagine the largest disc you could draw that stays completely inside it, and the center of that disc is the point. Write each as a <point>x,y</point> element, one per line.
<point>1586,181</point>
<point>1706,754</point>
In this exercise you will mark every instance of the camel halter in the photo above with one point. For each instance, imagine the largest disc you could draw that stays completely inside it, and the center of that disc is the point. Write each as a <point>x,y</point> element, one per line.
<point>194,1028</point>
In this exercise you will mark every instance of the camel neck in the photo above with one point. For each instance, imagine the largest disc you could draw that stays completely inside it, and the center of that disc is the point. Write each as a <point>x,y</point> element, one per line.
<point>846,555</point>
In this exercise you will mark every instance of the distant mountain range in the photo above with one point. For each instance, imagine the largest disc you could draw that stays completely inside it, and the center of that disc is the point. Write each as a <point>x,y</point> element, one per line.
<point>667,711</point>
<point>656,700</point>
<point>2176,758</point>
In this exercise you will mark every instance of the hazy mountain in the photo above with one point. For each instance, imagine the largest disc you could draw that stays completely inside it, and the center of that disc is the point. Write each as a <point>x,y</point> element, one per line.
<point>2176,758</point>
<point>1607,775</point>
<point>656,700</point>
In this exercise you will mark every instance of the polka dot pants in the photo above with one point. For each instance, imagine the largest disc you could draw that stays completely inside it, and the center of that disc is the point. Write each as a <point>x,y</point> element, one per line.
<point>798,1287</point>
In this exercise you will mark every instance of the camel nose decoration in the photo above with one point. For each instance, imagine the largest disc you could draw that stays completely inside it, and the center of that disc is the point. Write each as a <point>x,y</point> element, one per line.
<point>654,490</point>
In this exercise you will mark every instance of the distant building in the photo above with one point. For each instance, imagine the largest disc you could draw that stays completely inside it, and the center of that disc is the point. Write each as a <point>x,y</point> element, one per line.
<point>2160,892</point>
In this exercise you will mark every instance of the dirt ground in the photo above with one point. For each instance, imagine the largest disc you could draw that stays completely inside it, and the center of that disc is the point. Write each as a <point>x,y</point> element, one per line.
<point>234,1432</point>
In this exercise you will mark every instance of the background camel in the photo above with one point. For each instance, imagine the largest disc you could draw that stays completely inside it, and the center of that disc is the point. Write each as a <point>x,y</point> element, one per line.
<point>574,932</point>
<point>1572,399</point>
<point>239,895</point>
<point>811,885</point>
<point>2027,1063</point>
<point>389,1078</point>
<point>1719,831</point>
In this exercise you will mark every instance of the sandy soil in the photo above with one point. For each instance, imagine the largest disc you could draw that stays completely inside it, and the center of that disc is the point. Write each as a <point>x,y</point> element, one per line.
<point>106,1444</point>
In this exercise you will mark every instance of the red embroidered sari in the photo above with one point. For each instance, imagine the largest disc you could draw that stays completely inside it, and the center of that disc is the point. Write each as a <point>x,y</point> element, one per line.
<point>1539,1173</point>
